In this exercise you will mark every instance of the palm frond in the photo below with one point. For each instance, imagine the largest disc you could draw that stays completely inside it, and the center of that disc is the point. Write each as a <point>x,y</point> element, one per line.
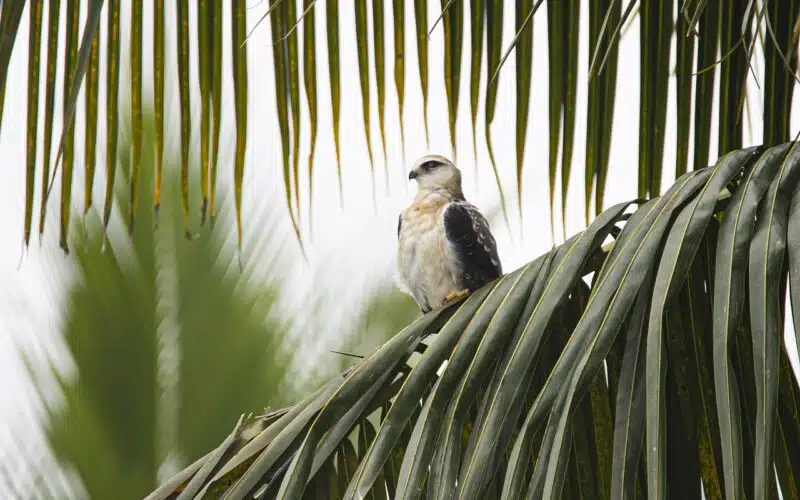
<point>509,396</point>
<point>724,37</point>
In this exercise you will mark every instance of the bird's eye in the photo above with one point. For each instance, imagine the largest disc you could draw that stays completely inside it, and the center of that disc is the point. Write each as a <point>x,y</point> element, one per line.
<point>429,165</point>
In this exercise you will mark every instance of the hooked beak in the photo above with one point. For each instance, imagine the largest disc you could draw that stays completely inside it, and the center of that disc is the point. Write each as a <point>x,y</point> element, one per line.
<point>413,175</point>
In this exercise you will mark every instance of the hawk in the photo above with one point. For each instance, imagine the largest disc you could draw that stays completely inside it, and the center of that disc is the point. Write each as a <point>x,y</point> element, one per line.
<point>445,248</point>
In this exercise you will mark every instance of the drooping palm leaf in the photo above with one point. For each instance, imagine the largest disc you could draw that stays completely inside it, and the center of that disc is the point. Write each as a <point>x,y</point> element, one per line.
<point>332,26</point>
<point>571,43</point>
<point>733,74</point>
<point>136,106</point>
<point>603,18</point>
<point>399,17</point>
<point>494,41</point>
<point>684,55</point>
<point>524,56</point>
<point>453,25</point>
<point>182,13</point>
<point>10,18</point>
<point>91,94</point>
<point>66,147</point>
<point>363,74</point>
<point>158,100</point>
<point>75,64</point>
<point>281,64</point>
<point>555,97</point>
<point>655,42</point>
<point>729,287</point>
<point>34,49</point>
<point>289,48</point>
<point>477,24</point>
<point>379,44</point>
<point>239,58</point>
<point>310,83</point>
<point>779,76</point>
<point>53,11</point>
<point>204,49</point>
<point>421,30</point>
<point>217,71</point>
<point>686,235</point>
<point>502,400</point>
<point>768,294</point>
<point>704,84</point>
<point>112,107</point>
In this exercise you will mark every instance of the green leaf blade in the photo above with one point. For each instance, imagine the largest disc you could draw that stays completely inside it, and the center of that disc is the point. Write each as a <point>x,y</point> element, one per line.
<point>158,100</point>
<point>363,73</point>
<point>735,235</point>
<point>732,76</point>
<point>477,23</point>
<point>680,247</point>
<point>239,66</point>
<point>34,50</point>
<point>10,18</point>
<point>204,54</point>
<point>216,104</point>
<point>281,69</point>
<point>524,56</point>
<point>310,83</point>
<point>90,137</point>
<point>684,54</point>
<point>182,9</point>
<point>332,27</point>
<point>556,71</point>
<point>67,137</point>
<point>379,55</point>
<point>629,423</point>
<point>136,105</point>
<point>704,85</point>
<point>571,39</point>
<point>767,252</point>
<point>112,106</point>
<point>399,18</point>
<point>453,23</point>
<point>53,10</point>
<point>292,63</point>
<point>421,27</point>
<point>494,42</point>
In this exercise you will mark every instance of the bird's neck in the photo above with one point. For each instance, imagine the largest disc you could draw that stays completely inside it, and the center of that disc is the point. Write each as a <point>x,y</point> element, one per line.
<point>448,194</point>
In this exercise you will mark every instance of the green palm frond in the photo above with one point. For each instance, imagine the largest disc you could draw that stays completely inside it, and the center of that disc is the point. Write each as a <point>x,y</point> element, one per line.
<point>722,36</point>
<point>643,356</point>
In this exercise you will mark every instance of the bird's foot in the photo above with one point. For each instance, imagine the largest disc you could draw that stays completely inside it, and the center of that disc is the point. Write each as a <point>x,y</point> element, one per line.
<point>452,296</point>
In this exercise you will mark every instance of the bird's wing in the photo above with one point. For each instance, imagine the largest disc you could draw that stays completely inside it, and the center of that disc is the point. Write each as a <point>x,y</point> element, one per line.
<point>475,249</point>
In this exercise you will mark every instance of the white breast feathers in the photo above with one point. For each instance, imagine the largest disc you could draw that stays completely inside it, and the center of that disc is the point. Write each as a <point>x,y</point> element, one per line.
<point>424,259</point>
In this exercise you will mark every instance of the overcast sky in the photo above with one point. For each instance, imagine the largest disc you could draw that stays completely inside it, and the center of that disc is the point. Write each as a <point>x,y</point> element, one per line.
<point>351,246</point>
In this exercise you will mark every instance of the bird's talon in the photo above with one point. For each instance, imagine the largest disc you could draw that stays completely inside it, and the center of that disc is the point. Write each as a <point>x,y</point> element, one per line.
<point>455,295</point>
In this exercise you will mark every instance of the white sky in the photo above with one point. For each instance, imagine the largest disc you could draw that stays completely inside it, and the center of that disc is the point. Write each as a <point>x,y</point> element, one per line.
<point>354,246</point>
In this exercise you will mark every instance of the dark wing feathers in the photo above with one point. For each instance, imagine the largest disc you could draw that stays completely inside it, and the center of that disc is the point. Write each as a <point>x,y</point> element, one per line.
<point>468,232</point>
<point>399,223</point>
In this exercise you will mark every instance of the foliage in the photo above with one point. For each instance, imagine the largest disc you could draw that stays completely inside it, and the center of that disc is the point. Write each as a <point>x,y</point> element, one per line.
<point>722,36</point>
<point>162,332</point>
<point>641,357</point>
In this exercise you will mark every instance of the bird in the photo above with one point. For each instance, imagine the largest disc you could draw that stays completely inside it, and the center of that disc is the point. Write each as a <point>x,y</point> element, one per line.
<point>445,249</point>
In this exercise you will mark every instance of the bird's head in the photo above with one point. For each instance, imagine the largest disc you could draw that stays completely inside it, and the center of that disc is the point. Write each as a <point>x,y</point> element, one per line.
<point>434,172</point>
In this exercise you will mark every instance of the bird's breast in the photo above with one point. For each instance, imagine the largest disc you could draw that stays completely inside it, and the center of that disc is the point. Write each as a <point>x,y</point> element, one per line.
<point>422,254</point>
